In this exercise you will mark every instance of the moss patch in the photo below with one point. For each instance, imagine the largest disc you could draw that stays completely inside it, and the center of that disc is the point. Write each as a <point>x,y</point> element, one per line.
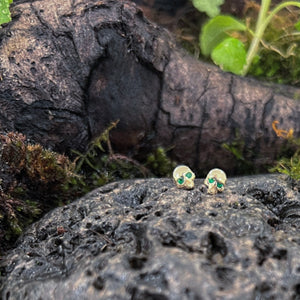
<point>289,165</point>
<point>34,180</point>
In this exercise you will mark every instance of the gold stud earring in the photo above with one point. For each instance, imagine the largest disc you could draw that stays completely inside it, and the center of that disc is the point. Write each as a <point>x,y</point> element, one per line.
<point>184,177</point>
<point>215,181</point>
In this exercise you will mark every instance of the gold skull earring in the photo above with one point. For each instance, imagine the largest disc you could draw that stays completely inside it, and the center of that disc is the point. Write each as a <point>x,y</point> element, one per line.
<point>184,177</point>
<point>215,181</point>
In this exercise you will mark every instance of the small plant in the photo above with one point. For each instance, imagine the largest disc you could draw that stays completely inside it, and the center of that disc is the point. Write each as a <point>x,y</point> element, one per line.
<point>289,166</point>
<point>100,164</point>
<point>220,37</point>
<point>4,11</point>
<point>242,154</point>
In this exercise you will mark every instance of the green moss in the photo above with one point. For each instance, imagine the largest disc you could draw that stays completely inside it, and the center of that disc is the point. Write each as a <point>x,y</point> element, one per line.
<point>33,181</point>
<point>34,163</point>
<point>288,165</point>
<point>159,163</point>
<point>242,154</point>
<point>100,164</point>
<point>296,96</point>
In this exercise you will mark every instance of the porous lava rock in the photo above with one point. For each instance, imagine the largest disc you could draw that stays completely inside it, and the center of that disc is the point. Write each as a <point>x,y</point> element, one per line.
<point>69,68</point>
<point>146,239</point>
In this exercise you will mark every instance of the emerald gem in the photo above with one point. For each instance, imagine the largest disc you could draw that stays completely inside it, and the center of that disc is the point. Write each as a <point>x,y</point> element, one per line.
<point>219,185</point>
<point>180,180</point>
<point>211,180</point>
<point>188,175</point>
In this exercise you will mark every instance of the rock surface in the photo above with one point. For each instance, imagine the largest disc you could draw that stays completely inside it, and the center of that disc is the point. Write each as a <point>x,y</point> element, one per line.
<point>145,239</point>
<point>69,68</point>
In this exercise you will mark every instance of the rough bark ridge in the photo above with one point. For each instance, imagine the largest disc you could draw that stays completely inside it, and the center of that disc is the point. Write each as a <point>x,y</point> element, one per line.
<point>70,68</point>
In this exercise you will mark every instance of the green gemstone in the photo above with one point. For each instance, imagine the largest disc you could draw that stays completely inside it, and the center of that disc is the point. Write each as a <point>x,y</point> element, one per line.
<point>219,185</point>
<point>180,180</point>
<point>188,175</point>
<point>211,180</point>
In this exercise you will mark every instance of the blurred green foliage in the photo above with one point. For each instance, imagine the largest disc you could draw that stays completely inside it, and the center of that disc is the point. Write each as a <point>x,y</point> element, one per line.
<point>237,147</point>
<point>100,164</point>
<point>159,163</point>
<point>210,7</point>
<point>4,11</point>
<point>289,166</point>
<point>270,34</point>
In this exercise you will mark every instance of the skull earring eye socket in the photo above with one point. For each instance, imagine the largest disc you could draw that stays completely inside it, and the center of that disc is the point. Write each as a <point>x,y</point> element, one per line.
<point>180,180</point>
<point>211,180</point>
<point>188,175</point>
<point>219,185</point>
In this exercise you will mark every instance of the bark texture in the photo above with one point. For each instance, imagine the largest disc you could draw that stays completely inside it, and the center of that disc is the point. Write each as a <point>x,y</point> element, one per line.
<point>70,68</point>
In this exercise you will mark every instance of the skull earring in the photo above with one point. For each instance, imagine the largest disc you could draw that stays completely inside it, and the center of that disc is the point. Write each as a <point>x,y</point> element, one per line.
<point>215,181</point>
<point>184,177</point>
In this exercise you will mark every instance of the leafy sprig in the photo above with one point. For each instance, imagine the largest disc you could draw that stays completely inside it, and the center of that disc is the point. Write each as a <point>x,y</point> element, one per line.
<point>227,51</point>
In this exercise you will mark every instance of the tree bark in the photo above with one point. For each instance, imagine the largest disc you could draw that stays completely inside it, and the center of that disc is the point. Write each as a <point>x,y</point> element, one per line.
<point>69,68</point>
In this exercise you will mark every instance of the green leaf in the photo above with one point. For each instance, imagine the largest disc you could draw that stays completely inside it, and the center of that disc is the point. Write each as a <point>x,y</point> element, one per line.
<point>230,55</point>
<point>210,7</point>
<point>297,25</point>
<point>4,11</point>
<point>215,31</point>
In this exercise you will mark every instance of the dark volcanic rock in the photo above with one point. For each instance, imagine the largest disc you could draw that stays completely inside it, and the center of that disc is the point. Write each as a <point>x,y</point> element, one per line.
<point>145,239</point>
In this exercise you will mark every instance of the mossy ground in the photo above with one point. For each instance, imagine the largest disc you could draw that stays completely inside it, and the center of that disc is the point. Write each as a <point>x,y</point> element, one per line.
<point>34,180</point>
